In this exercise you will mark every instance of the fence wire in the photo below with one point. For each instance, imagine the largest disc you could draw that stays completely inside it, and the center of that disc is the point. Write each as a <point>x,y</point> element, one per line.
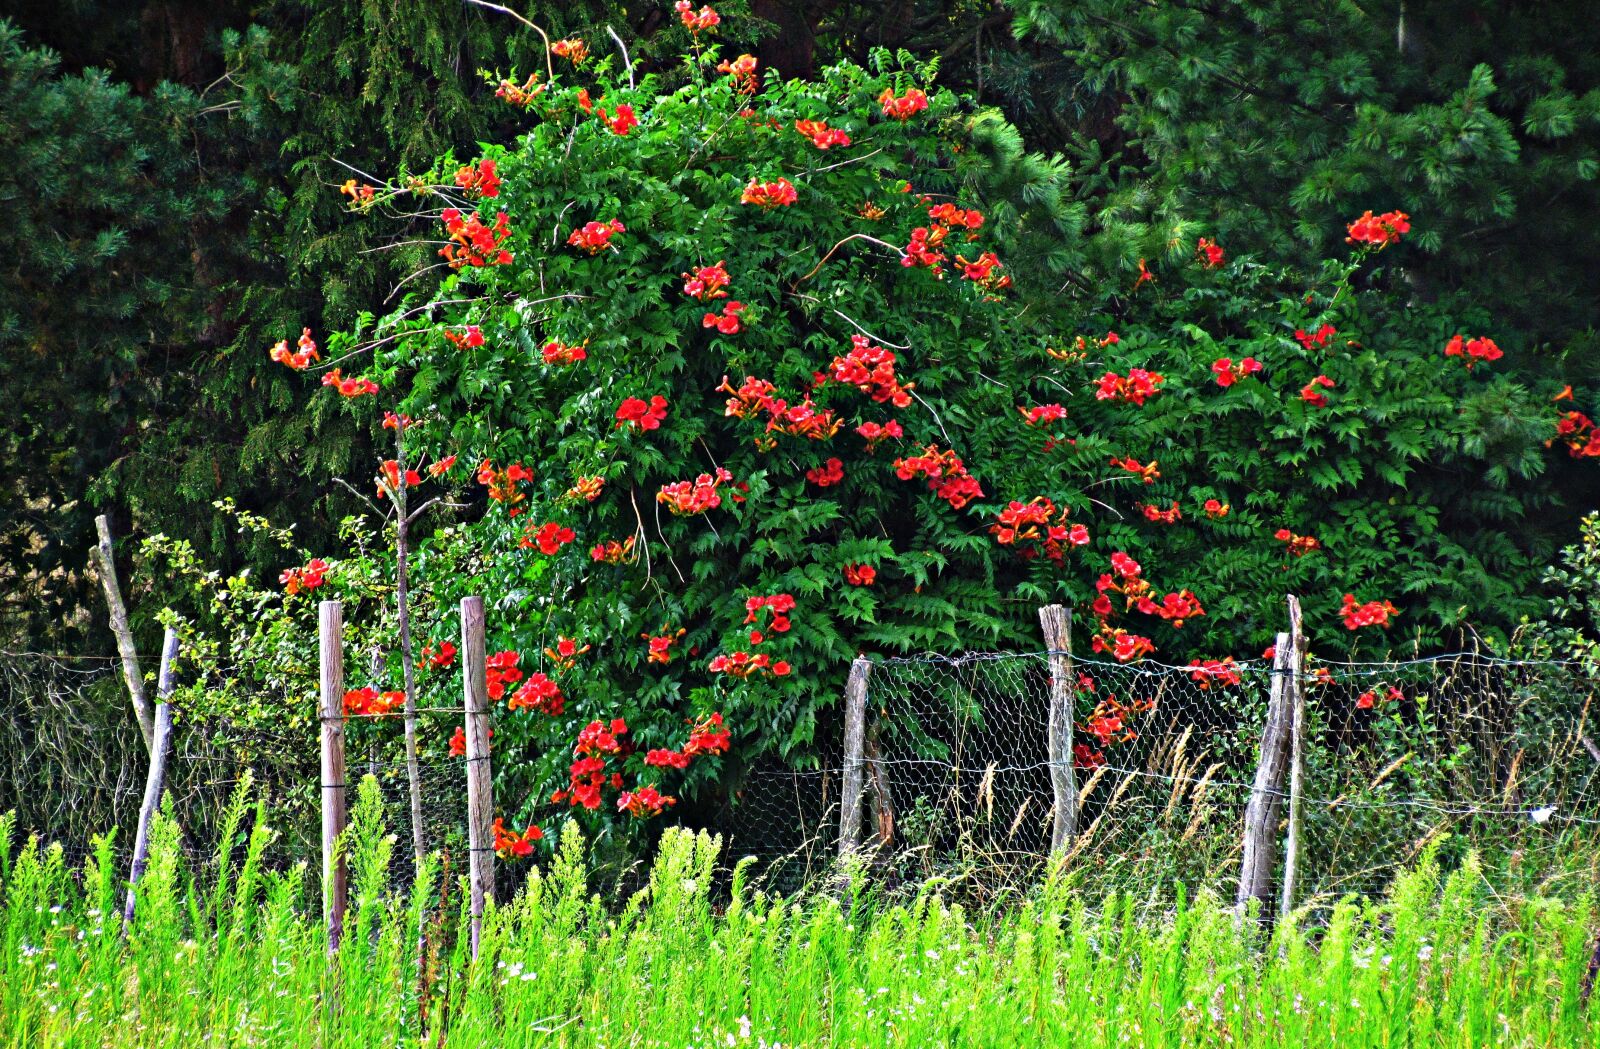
<point>1449,754</point>
<point>1446,754</point>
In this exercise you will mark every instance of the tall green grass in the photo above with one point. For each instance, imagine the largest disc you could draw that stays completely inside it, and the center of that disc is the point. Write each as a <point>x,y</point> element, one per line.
<point>236,955</point>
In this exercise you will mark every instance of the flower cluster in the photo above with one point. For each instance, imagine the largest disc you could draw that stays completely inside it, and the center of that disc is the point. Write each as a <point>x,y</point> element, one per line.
<point>641,415</point>
<point>509,843</point>
<point>502,484</point>
<point>438,659</point>
<point>923,249</point>
<point>1209,252</point>
<point>1213,673</point>
<point>1042,413</point>
<point>1136,387</point>
<point>612,552</point>
<point>1037,527</point>
<point>1216,509</point>
<point>1108,722</point>
<point>726,322</point>
<point>472,243</point>
<point>705,737</point>
<point>1373,613</point>
<point>586,488</point>
<point>645,802</point>
<point>1125,578</point>
<point>694,497</point>
<point>501,672</point>
<point>1174,608</point>
<point>296,359</point>
<point>1148,472</point>
<point>480,181</point>
<point>360,195</point>
<point>1312,393</point>
<point>520,95</point>
<point>981,271</point>
<point>1578,432</point>
<point>572,49</point>
<point>744,665</point>
<point>821,135</point>
<point>946,473</point>
<point>548,537</point>
<point>565,654</point>
<point>354,386</point>
<point>870,369</point>
<point>1156,515</point>
<point>390,475</point>
<point>779,193</point>
<point>309,577</point>
<point>458,742</point>
<point>780,606</point>
<point>658,647</point>
<point>803,419</point>
<point>902,107</point>
<point>1299,545</point>
<point>706,283</point>
<point>860,575</point>
<point>369,702</point>
<point>1317,339</point>
<point>742,71</point>
<point>696,21</point>
<point>587,777</point>
<point>623,122</point>
<point>468,338</point>
<point>1379,230</point>
<point>1227,374</point>
<point>1473,350</point>
<point>539,693</point>
<point>875,433</point>
<point>1368,700</point>
<point>1080,348</point>
<point>827,475</point>
<point>559,353</point>
<point>595,237</point>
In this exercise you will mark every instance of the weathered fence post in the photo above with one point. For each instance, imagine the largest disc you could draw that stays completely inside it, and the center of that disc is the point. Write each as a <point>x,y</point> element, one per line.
<point>1297,762</point>
<point>480,800</point>
<point>330,620</point>
<point>124,635</point>
<point>155,781</point>
<point>1056,622</point>
<point>1266,800</point>
<point>855,737</point>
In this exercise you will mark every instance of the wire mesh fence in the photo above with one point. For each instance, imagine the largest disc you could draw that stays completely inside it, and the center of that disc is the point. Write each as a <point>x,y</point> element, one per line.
<point>1446,754</point>
<point>1451,753</point>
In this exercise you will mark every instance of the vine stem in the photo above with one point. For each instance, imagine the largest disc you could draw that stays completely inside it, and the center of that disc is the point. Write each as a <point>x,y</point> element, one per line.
<point>549,64</point>
<point>842,243</point>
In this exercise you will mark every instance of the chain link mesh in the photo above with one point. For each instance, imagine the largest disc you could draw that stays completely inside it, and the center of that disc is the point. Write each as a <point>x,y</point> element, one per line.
<point>1452,753</point>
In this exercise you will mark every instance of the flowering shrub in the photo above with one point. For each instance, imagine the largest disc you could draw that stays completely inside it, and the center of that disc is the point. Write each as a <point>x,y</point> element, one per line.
<point>869,359</point>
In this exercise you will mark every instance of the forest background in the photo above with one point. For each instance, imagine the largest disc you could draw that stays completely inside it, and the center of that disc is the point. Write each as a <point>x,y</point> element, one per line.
<point>174,206</point>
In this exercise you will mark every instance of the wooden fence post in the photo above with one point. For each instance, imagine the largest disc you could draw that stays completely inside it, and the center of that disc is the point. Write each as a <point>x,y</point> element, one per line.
<point>335,889</point>
<point>1056,622</point>
<point>1266,799</point>
<point>480,799</point>
<point>855,736</point>
<point>156,780</point>
<point>124,635</point>
<point>1297,762</point>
